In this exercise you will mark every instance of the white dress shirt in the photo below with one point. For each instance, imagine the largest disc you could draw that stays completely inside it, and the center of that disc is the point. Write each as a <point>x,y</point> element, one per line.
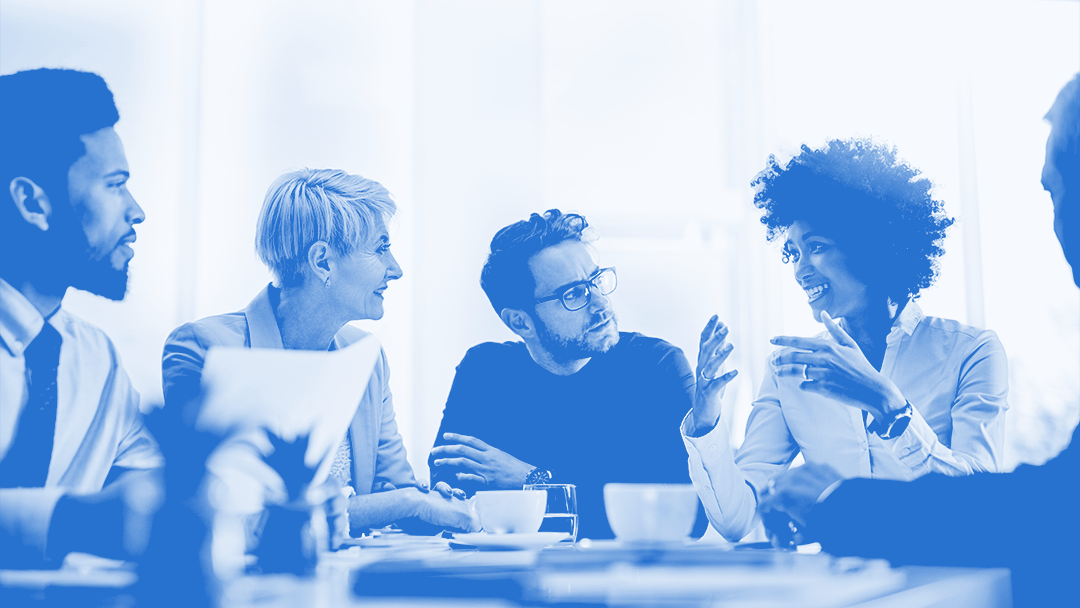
<point>98,424</point>
<point>954,376</point>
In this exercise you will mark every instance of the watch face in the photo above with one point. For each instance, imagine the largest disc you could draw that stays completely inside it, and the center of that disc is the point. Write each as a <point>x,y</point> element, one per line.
<point>538,476</point>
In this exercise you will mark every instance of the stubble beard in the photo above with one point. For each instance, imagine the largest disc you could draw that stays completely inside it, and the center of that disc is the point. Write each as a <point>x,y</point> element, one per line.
<point>563,350</point>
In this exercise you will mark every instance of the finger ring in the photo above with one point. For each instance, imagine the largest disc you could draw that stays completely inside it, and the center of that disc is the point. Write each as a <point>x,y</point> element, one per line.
<point>804,368</point>
<point>707,378</point>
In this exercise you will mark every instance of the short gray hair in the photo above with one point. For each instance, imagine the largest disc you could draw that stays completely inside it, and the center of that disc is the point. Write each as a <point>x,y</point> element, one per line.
<point>310,205</point>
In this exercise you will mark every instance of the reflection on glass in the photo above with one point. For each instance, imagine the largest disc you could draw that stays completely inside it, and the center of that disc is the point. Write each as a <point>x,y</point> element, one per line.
<point>561,514</point>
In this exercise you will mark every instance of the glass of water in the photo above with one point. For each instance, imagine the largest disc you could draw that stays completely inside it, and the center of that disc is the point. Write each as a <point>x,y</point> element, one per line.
<point>561,514</point>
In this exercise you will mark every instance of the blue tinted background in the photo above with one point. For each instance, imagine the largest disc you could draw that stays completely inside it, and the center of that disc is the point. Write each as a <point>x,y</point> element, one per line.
<point>649,118</point>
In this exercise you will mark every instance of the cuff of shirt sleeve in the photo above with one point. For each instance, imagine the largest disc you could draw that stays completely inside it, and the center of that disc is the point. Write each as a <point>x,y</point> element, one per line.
<point>728,499</point>
<point>25,514</point>
<point>714,436</point>
<point>914,446</point>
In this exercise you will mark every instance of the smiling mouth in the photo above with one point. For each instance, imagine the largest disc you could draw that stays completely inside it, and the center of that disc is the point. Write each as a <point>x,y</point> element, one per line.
<point>816,292</point>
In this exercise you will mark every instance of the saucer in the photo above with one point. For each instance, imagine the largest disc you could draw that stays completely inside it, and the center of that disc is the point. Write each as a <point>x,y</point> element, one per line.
<point>483,540</point>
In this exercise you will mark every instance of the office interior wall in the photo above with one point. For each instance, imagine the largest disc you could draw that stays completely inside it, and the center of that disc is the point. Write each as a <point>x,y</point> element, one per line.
<point>649,118</point>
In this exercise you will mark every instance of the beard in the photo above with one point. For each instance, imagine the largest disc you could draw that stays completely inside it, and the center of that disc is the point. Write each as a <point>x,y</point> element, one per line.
<point>584,346</point>
<point>71,262</point>
<point>100,278</point>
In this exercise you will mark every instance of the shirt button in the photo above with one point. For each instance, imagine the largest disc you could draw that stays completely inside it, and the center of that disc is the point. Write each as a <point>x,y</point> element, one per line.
<point>708,489</point>
<point>712,448</point>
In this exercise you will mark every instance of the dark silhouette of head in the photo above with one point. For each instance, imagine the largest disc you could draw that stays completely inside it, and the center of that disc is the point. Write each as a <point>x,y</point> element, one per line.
<point>1061,172</point>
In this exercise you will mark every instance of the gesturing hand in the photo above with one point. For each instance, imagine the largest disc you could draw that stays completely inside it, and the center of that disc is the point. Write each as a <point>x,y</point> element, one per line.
<point>487,465</point>
<point>713,351</point>
<point>838,370</point>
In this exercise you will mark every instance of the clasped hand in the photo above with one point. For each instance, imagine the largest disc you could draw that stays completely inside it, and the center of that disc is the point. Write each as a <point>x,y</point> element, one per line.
<point>482,463</point>
<point>838,370</point>
<point>786,503</point>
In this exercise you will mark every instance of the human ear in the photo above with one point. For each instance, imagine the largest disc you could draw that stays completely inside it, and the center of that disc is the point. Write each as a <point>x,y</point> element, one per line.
<point>31,201</point>
<point>518,321</point>
<point>318,257</point>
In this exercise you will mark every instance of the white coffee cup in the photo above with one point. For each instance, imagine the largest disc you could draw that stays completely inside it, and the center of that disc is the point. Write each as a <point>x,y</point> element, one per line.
<point>650,512</point>
<point>510,511</point>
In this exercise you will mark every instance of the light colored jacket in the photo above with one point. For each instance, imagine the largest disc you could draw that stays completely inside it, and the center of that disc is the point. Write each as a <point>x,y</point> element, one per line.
<point>378,452</point>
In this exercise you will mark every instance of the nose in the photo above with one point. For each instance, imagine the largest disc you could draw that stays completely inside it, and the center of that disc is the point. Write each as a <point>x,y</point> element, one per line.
<point>393,269</point>
<point>135,213</point>
<point>597,301</point>
<point>803,269</point>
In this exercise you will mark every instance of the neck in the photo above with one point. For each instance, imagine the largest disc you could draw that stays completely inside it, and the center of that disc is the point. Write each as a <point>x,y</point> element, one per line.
<point>871,327</point>
<point>303,320</point>
<point>544,359</point>
<point>46,301</point>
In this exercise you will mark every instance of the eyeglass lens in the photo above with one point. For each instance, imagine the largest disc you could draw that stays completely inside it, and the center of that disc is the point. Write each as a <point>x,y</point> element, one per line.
<point>577,297</point>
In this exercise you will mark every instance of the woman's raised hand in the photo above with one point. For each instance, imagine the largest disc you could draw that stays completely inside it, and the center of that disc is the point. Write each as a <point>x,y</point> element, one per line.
<point>713,351</point>
<point>838,369</point>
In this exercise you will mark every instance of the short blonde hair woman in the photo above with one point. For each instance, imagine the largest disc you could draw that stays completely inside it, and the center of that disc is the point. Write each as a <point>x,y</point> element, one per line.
<point>323,235</point>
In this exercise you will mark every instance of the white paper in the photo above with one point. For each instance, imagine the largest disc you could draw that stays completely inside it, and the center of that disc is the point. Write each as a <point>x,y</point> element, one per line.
<point>290,393</point>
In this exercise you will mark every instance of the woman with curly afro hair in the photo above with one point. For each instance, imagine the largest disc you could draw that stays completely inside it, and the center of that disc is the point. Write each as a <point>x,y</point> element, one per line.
<point>886,391</point>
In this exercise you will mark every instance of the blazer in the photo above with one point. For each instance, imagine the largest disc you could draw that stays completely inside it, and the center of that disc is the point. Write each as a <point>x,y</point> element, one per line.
<point>379,461</point>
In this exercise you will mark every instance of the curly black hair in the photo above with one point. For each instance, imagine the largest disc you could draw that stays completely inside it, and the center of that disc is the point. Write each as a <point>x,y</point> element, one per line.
<point>506,277</point>
<point>876,207</point>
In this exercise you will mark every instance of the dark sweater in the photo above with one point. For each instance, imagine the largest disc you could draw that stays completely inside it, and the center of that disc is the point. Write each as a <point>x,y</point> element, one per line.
<point>615,420</point>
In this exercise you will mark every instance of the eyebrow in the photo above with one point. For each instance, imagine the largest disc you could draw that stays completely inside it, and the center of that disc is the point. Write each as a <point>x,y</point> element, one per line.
<point>559,290</point>
<point>118,172</point>
<point>806,235</point>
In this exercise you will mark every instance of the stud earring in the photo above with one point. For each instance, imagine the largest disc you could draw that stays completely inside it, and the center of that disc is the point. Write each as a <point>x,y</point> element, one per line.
<point>327,283</point>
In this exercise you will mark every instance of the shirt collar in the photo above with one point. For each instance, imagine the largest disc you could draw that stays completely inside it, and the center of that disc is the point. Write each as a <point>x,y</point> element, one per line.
<point>262,326</point>
<point>909,318</point>
<point>20,322</point>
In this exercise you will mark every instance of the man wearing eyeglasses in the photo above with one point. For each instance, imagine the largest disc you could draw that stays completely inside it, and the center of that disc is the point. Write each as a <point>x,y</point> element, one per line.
<point>573,401</point>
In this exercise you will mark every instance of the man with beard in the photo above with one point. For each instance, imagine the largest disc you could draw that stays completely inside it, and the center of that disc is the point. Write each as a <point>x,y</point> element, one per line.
<point>69,416</point>
<point>575,401</point>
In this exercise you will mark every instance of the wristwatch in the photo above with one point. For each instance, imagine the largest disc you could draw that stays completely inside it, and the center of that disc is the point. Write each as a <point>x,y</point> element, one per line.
<point>891,429</point>
<point>538,475</point>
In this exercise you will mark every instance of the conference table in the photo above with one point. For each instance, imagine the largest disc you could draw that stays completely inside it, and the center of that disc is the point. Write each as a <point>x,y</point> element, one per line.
<point>396,570</point>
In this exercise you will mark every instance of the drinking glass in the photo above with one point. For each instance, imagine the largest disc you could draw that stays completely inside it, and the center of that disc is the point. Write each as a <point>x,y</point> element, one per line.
<point>561,514</point>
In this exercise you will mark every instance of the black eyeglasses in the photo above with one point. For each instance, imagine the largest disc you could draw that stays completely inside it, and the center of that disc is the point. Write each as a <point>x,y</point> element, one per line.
<point>576,296</point>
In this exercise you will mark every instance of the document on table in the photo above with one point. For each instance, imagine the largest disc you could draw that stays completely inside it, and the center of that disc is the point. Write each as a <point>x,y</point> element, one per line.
<point>290,393</point>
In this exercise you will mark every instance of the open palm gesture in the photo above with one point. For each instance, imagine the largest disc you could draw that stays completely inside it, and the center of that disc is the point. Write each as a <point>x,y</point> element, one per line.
<point>838,369</point>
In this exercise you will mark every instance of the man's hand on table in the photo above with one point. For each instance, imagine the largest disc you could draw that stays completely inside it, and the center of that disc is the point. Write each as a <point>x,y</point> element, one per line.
<point>113,522</point>
<point>483,464</point>
<point>785,505</point>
